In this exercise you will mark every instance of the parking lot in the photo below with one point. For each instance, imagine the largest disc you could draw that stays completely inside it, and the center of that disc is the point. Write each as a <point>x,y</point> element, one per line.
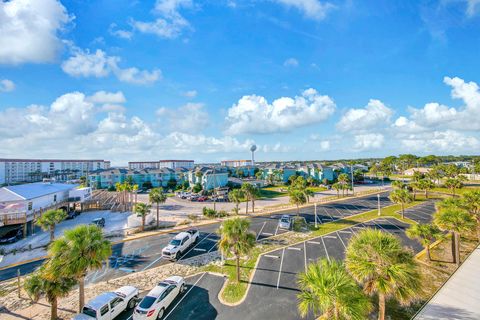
<point>273,291</point>
<point>422,213</point>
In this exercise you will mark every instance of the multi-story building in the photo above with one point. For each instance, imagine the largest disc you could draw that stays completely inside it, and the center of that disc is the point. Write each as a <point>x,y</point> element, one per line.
<point>209,177</point>
<point>173,164</point>
<point>236,163</point>
<point>138,165</point>
<point>34,170</point>
<point>170,164</point>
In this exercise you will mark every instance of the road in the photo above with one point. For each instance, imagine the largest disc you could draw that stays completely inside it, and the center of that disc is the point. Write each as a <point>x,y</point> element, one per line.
<point>142,254</point>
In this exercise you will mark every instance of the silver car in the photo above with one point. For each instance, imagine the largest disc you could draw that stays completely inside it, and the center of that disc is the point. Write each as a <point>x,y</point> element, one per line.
<point>285,222</point>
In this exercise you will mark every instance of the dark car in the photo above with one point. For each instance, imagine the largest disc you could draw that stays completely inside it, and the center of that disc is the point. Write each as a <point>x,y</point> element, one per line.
<point>72,214</point>
<point>11,236</point>
<point>99,222</point>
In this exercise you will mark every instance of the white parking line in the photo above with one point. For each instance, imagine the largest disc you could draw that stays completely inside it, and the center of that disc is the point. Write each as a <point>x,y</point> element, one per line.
<point>267,233</point>
<point>184,255</point>
<point>193,286</point>
<point>271,256</point>
<point>276,230</point>
<point>280,271</point>
<point>199,249</point>
<point>331,237</point>
<point>260,232</point>
<point>326,211</point>
<point>344,231</point>
<point>325,247</point>
<point>152,263</point>
<point>342,241</point>
<point>294,248</point>
<point>313,242</point>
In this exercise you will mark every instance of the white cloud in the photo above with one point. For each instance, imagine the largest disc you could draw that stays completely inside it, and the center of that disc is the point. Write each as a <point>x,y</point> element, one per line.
<point>107,97</point>
<point>6,85</point>
<point>253,114</point>
<point>190,93</point>
<point>99,64</point>
<point>77,125</point>
<point>369,141</point>
<point>29,30</point>
<point>170,23</point>
<point>325,145</point>
<point>445,141</point>
<point>375,114</point>
<point>189,118</point>
<point>472,7</point>
<point>124,34</point>
<point>291,62</point>
<point>440,117</point>
<point>313,9</point>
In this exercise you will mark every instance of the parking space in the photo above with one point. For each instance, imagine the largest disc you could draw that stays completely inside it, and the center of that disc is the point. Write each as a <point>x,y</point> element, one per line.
<point>422,213</point>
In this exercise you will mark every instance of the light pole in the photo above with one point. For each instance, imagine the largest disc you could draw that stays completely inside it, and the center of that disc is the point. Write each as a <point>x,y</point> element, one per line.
<point>315,205</point>
<point>378,201</point>
<point>351,172</point>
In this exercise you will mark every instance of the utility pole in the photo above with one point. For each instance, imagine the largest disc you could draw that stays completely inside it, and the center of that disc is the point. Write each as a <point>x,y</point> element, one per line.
<point>351,172</point>
<point>378,201</point>
<point>315,205</point>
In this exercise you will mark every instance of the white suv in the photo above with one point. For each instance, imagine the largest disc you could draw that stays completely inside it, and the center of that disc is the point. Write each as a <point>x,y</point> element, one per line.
<point>154,304</point>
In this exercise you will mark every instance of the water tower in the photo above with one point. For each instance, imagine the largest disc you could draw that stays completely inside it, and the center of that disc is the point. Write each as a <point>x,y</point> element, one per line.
<point>253,148</point>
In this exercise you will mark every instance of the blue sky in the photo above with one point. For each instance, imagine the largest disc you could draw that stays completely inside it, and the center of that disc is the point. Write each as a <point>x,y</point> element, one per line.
<point>303,79</point>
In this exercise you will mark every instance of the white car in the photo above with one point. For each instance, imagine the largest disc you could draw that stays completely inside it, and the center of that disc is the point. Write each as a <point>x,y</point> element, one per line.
<point>109,305</point>
<point>179,244</point>
<point>156,302</point>
<point>285,222</point>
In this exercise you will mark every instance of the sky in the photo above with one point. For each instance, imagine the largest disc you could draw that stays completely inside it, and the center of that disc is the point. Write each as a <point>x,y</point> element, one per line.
<point>125,80</point>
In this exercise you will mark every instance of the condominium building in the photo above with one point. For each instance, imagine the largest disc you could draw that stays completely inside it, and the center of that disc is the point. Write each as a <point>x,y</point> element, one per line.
<point>236,163</point>
<point>169,164</point>
<point>139,165</point>
<point>173,164</point>
<point>33,170</point>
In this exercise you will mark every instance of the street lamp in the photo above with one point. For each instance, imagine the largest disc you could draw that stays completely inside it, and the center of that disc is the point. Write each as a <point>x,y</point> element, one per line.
<point>315,205</point>
<point>378,198</point>
<point>351,172</point>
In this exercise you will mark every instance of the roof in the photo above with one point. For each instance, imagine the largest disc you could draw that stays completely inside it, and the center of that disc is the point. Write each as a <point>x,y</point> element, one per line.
<point>158,290</point>
<point>176,161</point>
<point>32,190</point>
<point>100,300</point>
<point>459,298</point>
<point>181,235</point>
<point>48,160</point>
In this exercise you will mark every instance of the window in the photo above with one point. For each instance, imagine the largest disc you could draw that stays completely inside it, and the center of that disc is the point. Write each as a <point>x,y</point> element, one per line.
<point>115,302</point>
<point>54,198</point>
<point>30,206</point>
<point>104,310</point>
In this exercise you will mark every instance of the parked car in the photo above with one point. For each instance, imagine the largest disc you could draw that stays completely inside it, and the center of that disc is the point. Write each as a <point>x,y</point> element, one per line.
<point>179,244</point>
<point>154,304</point>
<point>193,197</point>
<point>99,222</point>
<point>72,214</point>
<point>109,305</point>
<point>285,222</point>
<point>202,199</point>
<point>11,236</point>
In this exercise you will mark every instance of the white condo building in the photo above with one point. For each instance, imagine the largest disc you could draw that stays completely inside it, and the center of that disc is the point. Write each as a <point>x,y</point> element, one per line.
<point>139,165</point>
<point>171,164</point>
<point>236,163</point>
<point>32,170</point>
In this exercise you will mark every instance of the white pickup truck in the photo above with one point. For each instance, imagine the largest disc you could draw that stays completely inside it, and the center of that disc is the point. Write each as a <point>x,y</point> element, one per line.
<point>109,305</point>
<point>179,244</point>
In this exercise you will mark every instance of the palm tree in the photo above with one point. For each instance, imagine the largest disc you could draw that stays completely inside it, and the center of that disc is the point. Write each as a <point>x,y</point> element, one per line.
<point>425,185</point>
<point>453,184</point>
<point>398,184</point>
<point>41,283</point>
<point>142,209</point>
<point>157,196</point>
<point>426,234</point>
<point>343,181</point>
<point>455,221</point>
<point>236,196</point>
<point>471,202</point>
<point>383,267</point>
<point>236,239</point>
<point>251,193</point>
<point>80,250</point>
<point>327,288</point>
<point>337,187</point>
<point>297,198</point>
<point>401,196</point>
<point>50,219</point>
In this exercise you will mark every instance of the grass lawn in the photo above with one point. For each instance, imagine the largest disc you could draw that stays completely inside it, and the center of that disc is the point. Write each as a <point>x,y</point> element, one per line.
<point>273,192</point>
<point>457,191</point>
<point>317,189</point>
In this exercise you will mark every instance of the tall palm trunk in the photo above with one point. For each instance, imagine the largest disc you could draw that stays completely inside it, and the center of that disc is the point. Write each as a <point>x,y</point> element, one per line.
<point>53,309</point>
<point>403,210</point>
<point>246,207</point>
<point>143,223</point>
<point>52,233</point>
<point>427,248</point>
<point>426,194</point>
<point>381,306</point>
<point>253,205</point>
<point>158,215</point>
<point>454,247</point>
<point>237,258</point>
<point>81,293</point>
<point>298,211</point>
<point>457,248</point>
